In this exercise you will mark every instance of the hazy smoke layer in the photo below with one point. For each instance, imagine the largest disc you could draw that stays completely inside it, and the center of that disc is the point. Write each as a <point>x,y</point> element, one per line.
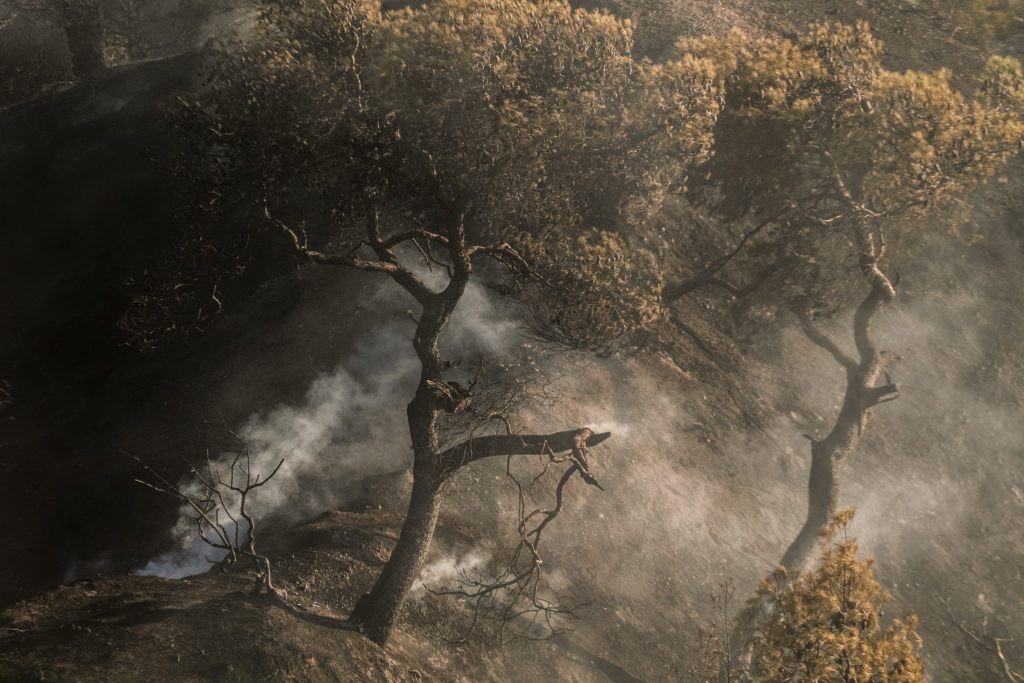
<point>350,425</point>
<point>938,479</point>
<point>438,574</point>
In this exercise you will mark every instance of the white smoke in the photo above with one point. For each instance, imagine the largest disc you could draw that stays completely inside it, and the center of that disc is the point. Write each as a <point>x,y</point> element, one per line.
<point>350,425</point>
<point>445,571</point>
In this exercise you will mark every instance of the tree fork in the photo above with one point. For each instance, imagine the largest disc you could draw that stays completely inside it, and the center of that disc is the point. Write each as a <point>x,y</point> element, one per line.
<point>375,612</point>
<point>861,395</point>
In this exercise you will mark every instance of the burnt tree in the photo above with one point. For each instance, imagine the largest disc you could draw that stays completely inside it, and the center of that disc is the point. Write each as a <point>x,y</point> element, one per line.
<point>863,392</point>
<point>825,165</point>
<point>375,612</point>
<point>218,507</point>
<point>518,133</point>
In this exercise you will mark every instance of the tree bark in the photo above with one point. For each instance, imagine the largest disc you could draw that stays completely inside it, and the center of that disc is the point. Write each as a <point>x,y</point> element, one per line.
<point>827,455</point>
<point>861,395</point>
<point>375,612</point>
<point>518,444</point>
<point>83,28</point>
<point>822,503</point>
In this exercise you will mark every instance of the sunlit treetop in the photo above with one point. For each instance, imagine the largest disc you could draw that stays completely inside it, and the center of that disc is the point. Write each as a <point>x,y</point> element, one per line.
<point>822,143</point>
<point>536,125</point>
<point>827,625</point>
<point>537,114</point>
<point>531,119</point>
<point>900,139</point>
<point>1002,85</point>
<point>534,114</point>
<point>598,294</point>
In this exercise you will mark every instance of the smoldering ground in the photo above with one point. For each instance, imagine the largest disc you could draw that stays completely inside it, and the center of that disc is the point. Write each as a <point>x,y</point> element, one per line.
<point>936,479</point>
<point>349,425</point>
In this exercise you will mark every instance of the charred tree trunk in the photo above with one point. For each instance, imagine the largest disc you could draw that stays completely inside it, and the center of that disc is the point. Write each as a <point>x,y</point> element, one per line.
<point>861,395</point>
<point>827,455</point>
<point>822,502</point>
<point>83,28</point>
<point>376,611</point>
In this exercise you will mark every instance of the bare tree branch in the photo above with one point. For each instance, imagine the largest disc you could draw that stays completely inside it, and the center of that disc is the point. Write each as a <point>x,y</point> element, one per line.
<point>301,248</point>
<point>207,503</point>
<point>477,448</point>
<point>860,396</point>
<point>820,339</point>
<point>982,638</point>
<point>516,594</point>
<point>708,276</point>
<point>410,235</point>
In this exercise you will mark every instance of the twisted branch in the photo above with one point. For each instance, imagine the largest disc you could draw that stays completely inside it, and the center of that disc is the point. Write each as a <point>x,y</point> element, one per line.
<point>515,594</point>
<point>209,505</point>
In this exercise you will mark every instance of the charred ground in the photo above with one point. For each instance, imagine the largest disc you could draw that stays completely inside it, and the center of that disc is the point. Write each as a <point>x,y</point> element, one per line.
<point>725,471</point>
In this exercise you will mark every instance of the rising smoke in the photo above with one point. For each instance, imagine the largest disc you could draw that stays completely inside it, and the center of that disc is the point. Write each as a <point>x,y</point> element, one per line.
<point>688,502</point>
<point>350,425</point>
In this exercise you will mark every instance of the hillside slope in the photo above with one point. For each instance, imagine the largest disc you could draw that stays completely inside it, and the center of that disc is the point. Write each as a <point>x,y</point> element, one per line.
<point>705,474</point>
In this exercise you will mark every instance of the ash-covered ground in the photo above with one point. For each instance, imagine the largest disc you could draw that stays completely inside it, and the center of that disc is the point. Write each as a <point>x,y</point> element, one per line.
<point>705,474</point>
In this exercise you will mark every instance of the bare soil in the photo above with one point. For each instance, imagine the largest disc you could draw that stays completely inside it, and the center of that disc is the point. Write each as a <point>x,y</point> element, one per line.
<point>705,475</point>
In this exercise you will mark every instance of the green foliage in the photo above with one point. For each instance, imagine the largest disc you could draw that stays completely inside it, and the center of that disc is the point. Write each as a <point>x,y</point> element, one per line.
<point>823,143</point>
<point>827,625</point>
<point>278,120</point>
<point>536,123</point>
<point>538,113</point>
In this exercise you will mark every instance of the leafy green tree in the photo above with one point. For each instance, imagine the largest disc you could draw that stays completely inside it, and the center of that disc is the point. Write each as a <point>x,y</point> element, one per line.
<point>828,164</point>
<point>827,626</point>
<point>518,132</point>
